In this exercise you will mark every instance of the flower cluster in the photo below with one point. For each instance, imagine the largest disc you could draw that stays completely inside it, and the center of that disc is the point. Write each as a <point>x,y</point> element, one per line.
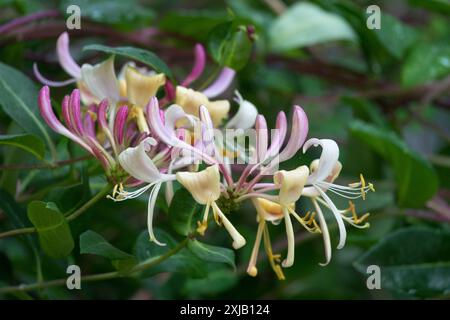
<point>145,143</point>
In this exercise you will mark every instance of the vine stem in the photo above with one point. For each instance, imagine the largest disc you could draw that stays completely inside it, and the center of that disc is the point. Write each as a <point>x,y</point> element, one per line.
<point>102,193</point>
<point>101,276</point>
<point>57,164</point>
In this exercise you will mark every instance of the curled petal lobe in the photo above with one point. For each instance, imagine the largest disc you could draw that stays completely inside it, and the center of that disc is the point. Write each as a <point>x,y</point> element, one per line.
<point>65,58</point>
<point>48,82</point>
<point>199,65</point>
<point>221,84</point>
<point>328,158</point>
<point>245,117</point>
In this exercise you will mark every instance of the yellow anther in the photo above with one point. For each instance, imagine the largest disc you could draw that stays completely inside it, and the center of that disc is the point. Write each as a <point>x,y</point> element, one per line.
<point>115,190</point>
<point>371,187</point>
<point>356,219</point>
<point>201,227</point>
<point>363,186</point>
<point>253,272</point>
<point>92,114</point>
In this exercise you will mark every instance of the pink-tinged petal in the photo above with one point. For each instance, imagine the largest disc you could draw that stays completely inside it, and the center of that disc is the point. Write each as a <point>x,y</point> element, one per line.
<point>261,137</point>
<point>65,108</point>
<point>100,153</point>
<point>327,161</point>
<point>221,84</point>
<point>119,124</point>
<point>199,65</point>
<point>298,134</point>
<point>75,111</point>
<point>279,135</point>
<point>101,115</point>
<point>89,121</point>
<point>48,82</point>
<point>156,124</point>
<point>170,92</point>
<point>65,58</point>
<point>50,118</point>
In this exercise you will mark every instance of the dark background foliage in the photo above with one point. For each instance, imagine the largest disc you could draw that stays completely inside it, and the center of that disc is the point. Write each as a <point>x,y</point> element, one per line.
<point>382,94</point>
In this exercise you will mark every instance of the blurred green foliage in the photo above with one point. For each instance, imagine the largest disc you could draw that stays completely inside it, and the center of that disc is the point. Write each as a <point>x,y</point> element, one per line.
<point>383,94</point>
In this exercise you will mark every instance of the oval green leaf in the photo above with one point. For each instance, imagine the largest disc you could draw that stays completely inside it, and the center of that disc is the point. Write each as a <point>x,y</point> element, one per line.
<point>210,253</point>
<point>416,179</point>
<point>20,102</point>
<point>184,212</point>
<point>27,142</point>
<point>413,261</point>
<point>305,24</point>
<point>54,231</point>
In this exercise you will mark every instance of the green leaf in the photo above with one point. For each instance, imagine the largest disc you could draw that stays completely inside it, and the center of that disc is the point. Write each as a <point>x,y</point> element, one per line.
<point>210,253</point>
<point>441,6</point>
<point>216,281</point>
<point>230,45</point>
<point>19,97</point>
<point>416,179</point>
<point>54,232</point>
<point>414,261</point>
<point>426,63</point>
<point>27,142</point>
<point>184,212</point>
<point>395,36</point>
<point>182,262</point>
<point>93,243</point>
<point>193,23</point>
<point>141,55</point>
<point>124,13</point>
<point>305,24</point>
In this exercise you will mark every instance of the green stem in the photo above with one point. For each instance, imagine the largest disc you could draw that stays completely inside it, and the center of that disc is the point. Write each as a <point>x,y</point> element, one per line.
<point>25,166</point>
<point>102,193</point>
<point>101,276</point>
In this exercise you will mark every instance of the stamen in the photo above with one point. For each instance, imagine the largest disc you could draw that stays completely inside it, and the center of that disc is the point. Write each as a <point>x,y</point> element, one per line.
<point>251,269</point>
<point>273,259</point>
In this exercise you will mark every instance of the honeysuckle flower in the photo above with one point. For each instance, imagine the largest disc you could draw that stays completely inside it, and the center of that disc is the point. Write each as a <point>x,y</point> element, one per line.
<point>324,172</point>
<point>133,84</point>
<point>89,127</point>
<point>205,187</point>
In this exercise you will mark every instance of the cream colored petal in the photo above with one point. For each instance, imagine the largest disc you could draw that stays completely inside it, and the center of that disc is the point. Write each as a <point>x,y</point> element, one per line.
<point>140,87</point>
<point>190,100</point>
<point>291,184</point>
<point>204,186</point>
<point>101,80</point>
<point>218,110</point>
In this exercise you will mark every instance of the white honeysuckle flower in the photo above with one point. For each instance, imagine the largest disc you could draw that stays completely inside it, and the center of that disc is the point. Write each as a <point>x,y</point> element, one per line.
<point>138,164</point>
<point>291,185</point>
<point>323,173</point>
<point>205,187</point>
